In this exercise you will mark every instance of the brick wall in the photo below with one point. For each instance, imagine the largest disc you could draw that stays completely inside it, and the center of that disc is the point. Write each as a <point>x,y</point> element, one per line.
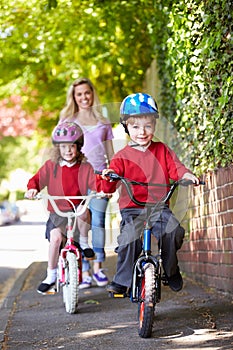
<point>207,252</point>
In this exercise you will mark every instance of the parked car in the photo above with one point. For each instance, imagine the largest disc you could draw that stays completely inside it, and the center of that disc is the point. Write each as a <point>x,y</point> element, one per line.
<point>15,212</point>
<point>9,213</point>
<point>5,215</point>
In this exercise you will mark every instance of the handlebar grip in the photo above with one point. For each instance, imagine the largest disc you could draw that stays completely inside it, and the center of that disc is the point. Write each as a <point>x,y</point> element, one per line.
<point>98,172</point>
<point>201,182</point>
<point>184,182</point>
<point>37,196</point>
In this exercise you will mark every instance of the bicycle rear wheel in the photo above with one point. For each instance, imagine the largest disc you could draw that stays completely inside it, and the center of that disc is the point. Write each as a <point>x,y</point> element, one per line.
<point>146,303</point>
<point>70,289</point>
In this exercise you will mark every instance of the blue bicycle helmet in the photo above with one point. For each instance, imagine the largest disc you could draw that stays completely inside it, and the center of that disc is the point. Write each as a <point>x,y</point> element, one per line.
<point>136,105</point>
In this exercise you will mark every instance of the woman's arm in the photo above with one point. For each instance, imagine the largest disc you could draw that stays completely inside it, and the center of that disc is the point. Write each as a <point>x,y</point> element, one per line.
<point>109,149</point>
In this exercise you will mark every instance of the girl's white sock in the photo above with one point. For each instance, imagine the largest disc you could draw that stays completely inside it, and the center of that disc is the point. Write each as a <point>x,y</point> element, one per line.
<point>51,276</point>
<point>83,241</point>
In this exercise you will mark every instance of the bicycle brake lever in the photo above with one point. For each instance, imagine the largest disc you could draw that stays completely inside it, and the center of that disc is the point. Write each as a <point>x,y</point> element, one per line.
<point>184,182</point>
<point>38,196</point>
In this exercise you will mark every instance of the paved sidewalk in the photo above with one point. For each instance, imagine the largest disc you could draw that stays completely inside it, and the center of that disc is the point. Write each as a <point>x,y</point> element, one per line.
<point>194,318</point>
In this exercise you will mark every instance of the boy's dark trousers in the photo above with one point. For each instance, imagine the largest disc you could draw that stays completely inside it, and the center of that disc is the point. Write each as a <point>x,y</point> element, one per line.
<point>130,245</point>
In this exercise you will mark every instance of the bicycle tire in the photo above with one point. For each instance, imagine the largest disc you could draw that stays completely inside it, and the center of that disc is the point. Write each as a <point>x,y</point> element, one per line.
<point>70,289</point>
<point>146,302</point>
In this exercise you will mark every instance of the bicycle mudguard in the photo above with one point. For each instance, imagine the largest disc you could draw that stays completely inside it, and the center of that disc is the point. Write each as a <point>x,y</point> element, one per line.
<point>138,272</point>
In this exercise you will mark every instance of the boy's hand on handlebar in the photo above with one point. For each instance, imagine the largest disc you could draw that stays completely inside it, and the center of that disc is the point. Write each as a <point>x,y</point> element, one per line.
<point>105,172</point>
<point>30,194</point>
<point>191,177</point>
<point>108,175</point>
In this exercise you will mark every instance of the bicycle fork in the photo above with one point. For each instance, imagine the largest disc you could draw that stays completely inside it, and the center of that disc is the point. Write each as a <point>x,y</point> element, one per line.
<point>142,263</point>
<point>62,263</point>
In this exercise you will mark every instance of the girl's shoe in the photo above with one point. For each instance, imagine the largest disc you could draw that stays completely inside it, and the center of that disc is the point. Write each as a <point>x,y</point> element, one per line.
<point>86,283</point>
<point>89,253</point>
<point>43,288</point>
<point>100,278</point>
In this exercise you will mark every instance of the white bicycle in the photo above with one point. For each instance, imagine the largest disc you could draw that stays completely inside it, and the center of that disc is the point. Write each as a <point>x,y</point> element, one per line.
<point>70,257</point>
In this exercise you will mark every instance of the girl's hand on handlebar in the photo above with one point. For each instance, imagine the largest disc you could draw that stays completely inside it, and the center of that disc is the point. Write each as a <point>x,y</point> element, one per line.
<point>193,178</point>
<point>103,195</point>
<point>30,194</point>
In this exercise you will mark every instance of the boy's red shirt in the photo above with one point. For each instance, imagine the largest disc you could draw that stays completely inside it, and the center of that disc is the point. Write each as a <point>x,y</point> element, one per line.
<point>68,181</point>
<point>158,164</point>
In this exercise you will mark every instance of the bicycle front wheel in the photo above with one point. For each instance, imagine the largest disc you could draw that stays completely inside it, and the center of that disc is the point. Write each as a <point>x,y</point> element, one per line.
<point>70,289</point>
<point>146,303</point>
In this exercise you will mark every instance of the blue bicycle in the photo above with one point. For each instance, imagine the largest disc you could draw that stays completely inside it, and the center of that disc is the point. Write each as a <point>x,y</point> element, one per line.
<point>148,274</point>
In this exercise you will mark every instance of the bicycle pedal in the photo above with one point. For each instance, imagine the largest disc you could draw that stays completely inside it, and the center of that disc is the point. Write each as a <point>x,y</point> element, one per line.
<point>117,295</point>
<point>51,291</point>
<point>164,280</point>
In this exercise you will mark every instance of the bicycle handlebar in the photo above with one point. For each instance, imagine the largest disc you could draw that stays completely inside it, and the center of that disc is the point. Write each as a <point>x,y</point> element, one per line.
<point>76,212</point>
<point>128,182</point>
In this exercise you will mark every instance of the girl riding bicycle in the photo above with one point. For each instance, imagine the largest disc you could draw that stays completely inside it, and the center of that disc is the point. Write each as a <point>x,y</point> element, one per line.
<point>67,173</point>
<point>144,160</point>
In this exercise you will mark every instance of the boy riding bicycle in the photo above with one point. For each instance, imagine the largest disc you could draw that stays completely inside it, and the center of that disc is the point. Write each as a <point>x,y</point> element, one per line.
<point>144,160</point>
<point>67,173</point>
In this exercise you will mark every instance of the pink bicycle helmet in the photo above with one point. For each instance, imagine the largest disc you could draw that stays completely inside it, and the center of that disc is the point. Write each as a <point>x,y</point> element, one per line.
<point>67,132</point>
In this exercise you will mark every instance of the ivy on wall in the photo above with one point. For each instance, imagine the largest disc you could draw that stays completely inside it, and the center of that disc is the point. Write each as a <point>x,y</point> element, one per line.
<point>194,56</point>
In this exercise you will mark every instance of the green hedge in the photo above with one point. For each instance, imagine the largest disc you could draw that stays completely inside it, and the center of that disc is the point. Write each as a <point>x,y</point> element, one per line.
<point>194,55</point>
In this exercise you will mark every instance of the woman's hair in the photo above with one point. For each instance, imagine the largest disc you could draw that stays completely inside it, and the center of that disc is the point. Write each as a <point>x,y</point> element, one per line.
<point>55,155</point>
<point>71,107</point>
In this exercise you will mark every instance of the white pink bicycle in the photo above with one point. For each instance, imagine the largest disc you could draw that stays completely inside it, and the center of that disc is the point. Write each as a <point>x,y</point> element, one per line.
<point>70,257</point>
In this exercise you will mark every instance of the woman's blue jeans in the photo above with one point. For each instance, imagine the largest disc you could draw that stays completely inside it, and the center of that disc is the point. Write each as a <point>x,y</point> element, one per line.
<point>98,211</point>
